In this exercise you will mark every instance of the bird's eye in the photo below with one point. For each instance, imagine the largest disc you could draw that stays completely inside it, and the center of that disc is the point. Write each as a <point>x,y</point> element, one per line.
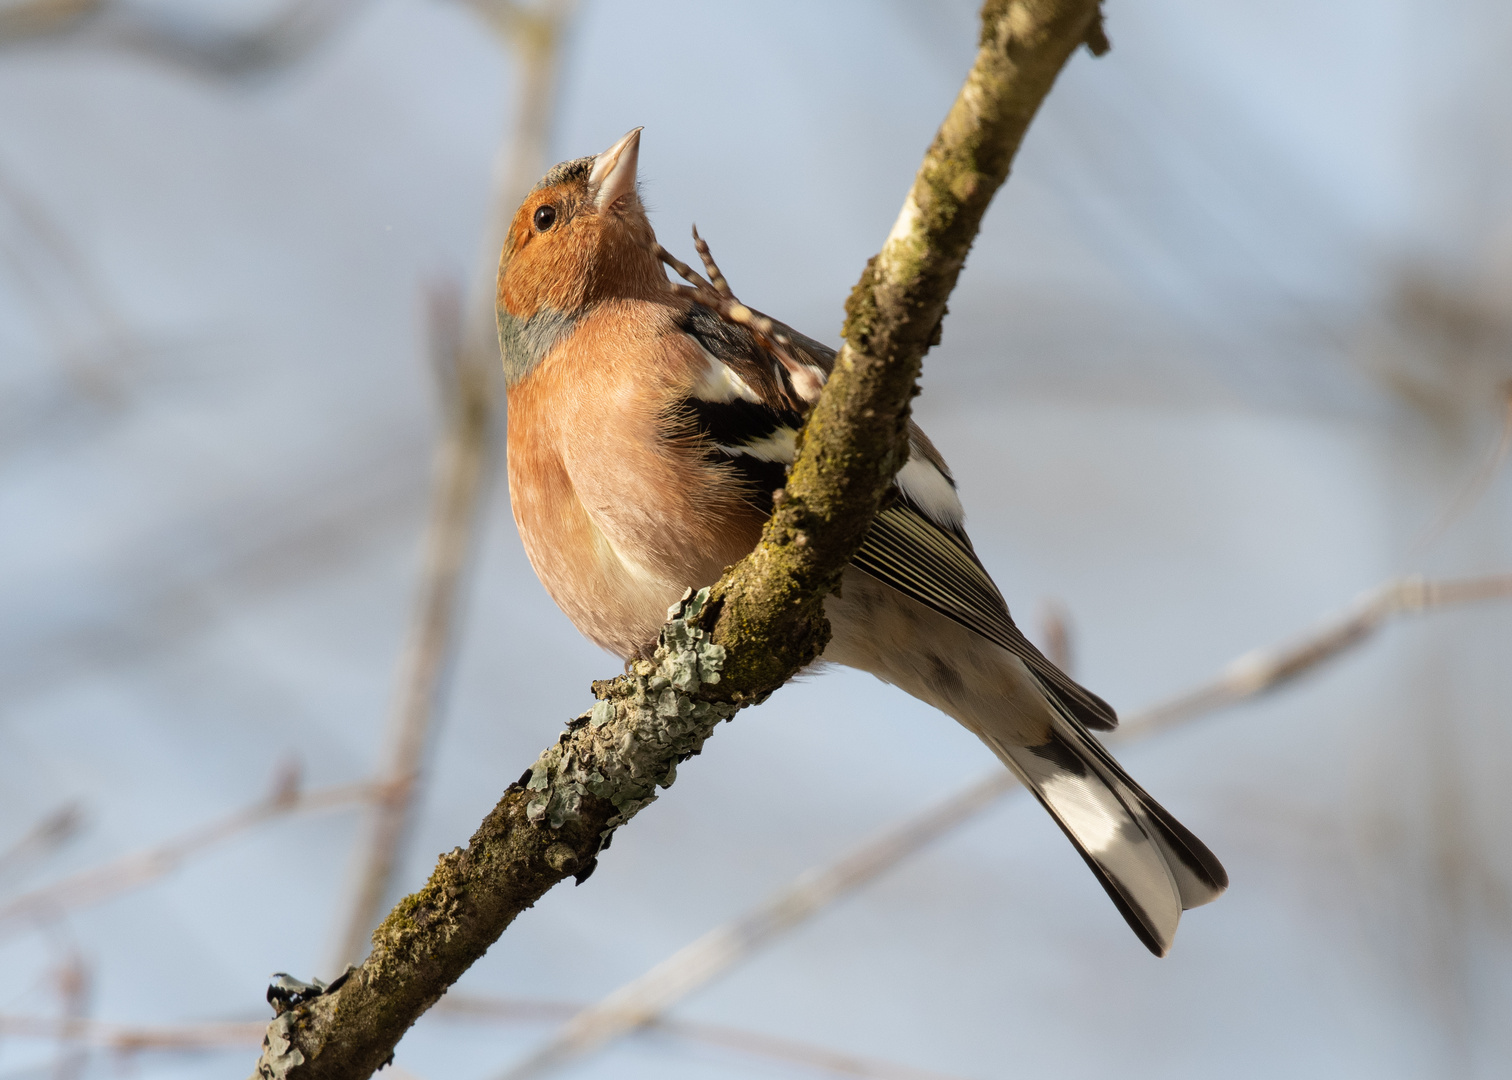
<point>545,218</point>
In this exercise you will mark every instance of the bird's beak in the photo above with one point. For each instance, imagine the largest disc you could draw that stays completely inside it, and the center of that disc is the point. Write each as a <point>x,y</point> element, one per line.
<point>613,172</point>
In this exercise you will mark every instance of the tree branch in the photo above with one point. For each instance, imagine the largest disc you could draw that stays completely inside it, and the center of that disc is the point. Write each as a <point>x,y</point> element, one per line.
<point>760,624</point>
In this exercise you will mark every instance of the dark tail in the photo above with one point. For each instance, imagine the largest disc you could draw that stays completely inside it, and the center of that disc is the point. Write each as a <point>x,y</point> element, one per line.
<point>1152,867</point>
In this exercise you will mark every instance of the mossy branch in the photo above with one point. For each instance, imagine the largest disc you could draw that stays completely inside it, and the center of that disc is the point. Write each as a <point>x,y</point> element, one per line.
<point>763,622</point>
<point>769,608</point>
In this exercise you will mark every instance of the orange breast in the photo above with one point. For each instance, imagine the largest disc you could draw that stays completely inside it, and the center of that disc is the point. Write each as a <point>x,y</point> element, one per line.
<point>617,518</point>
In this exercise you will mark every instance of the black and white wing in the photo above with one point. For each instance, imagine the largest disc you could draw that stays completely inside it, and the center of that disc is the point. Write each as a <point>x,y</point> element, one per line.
<point>748,409</point>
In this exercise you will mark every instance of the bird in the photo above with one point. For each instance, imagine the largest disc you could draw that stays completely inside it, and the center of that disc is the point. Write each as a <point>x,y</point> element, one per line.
<point>647,434</point>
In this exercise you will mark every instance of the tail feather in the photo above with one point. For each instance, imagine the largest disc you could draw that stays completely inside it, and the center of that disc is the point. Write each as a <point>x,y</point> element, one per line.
<point>1111,838</point>
<point>1150,865</point>
<point>1199,875</point>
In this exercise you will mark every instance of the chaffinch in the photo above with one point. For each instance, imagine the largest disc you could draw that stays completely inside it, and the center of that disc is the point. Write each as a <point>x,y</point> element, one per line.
<point>648,431</point>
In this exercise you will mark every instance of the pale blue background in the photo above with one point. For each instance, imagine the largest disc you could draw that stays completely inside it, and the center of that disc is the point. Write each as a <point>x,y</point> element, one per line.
<point>1186,388</point>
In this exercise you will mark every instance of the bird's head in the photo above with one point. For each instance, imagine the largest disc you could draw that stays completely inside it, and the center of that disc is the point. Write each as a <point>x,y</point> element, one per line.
<point>580,236</point>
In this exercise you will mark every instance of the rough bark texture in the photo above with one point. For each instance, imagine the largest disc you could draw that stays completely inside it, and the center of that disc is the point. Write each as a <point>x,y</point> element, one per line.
<point>763,622</point>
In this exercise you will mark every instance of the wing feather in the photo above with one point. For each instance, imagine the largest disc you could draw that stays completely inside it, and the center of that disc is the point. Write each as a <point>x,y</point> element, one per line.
<point>917,545</point>
<point>938,568</point>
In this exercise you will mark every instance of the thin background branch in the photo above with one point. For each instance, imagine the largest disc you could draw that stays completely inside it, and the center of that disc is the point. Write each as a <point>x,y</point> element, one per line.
<point>647,999</point>
<point>1263,670</point>
<point>1479,481</point>
<point>71,304</point>
<point>127,1039</point>
<point>201,48</point>
<point>100,883</point>
<point>468,368</point>
<point>1055,635</point>
<point>54,830</point>
<point>75,989</point>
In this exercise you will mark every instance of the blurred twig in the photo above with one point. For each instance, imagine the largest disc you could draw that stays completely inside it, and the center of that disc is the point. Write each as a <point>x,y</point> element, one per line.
<point>1263,670</point>
<point>132,871</point>
<point>126,1038</point>
<point>460,469</point>
<point>1055,634</point>
<point>174,582</point>
<point>796,1053</point>
<point>535,34</point>
<point>1479,481</point>
<point>66,295</point>
<point>200,47</point>
<point>647,998</point>
<point>40,18</point>
<point>129,1038</point>
<point>757,1044</point>
<point>42,839</point>
<point>74,986</point>
<point>469,380</point>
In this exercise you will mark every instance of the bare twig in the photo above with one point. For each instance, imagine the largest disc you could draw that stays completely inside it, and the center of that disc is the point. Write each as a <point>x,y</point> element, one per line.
<point>129,1038</point>
<point>74,986</point>
<point>191,1038</point>
<point>66,294</point>
<point>470,384</point>
<point>251,547</point>
<point>1264,670</point>
<point>38,18</point>
<point>757,1044</point>
<point>647,998</point>
<point>794,1052</point>
<point>1470,494</point>
<point>132,871</point>
<point>42,839</point>
<point>204,49</point>
<point>460,471</point>
<point>1055,635</point>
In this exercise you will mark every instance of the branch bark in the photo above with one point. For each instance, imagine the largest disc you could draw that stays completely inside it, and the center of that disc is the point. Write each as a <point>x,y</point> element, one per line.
<point>760,624</point>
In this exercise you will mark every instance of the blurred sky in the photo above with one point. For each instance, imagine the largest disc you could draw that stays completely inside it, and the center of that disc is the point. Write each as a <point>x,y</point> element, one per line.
<point>1233,337</point>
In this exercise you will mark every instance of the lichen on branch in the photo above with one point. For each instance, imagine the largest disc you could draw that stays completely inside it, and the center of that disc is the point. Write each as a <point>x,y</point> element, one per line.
<point>644,723</point>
